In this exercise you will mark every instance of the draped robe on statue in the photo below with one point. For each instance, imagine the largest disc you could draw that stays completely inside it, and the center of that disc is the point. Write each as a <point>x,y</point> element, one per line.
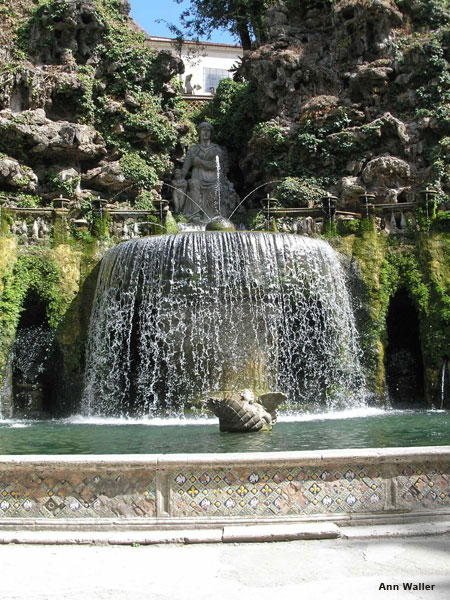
<point>204,184</point>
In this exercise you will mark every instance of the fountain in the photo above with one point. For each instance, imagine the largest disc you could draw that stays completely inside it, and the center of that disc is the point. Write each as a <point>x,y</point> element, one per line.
<point>181,318</point>
<point>191,314</point>
<point>444,387</point>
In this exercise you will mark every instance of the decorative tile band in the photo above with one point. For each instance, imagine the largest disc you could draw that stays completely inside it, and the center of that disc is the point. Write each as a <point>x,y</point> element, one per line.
<point>72,494</point>
<point>272,492</point>
<point>224,486</point>
<point>423,486</point>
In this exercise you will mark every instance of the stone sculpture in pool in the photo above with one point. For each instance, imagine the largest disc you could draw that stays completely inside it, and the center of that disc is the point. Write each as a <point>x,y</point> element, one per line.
<point>239,412</point>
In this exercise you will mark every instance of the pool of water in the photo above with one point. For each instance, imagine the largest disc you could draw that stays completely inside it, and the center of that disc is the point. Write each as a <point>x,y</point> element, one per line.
<point>365,428</point>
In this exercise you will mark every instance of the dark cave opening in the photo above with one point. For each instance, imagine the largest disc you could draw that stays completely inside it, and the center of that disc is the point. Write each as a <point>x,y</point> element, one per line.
<point>32,376</point>
<point>403,357</point>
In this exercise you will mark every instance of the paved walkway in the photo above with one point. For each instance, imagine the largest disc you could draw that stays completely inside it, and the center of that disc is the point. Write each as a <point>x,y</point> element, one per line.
<point>347,569</point>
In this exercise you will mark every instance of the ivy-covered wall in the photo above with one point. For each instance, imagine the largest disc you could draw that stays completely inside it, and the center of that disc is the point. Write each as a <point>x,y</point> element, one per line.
<point>420,265</point>
<point>63,278</point>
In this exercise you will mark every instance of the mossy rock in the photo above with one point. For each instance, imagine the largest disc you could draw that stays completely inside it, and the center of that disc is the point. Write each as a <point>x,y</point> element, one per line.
<point>220,224</point>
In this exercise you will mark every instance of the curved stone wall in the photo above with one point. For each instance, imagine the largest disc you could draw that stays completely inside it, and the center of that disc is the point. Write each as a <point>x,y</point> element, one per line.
<point>153,491</point>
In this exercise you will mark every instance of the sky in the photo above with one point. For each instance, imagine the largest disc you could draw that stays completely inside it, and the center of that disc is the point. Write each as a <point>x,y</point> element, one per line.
<point>147,12</point>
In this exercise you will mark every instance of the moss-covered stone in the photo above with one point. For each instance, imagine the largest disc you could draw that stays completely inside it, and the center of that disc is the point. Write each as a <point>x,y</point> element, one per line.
<point>421,267</point>
<point>64,280</point>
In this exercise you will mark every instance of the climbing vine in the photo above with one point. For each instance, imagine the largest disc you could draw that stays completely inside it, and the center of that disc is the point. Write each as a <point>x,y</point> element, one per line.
<point>37,271</point>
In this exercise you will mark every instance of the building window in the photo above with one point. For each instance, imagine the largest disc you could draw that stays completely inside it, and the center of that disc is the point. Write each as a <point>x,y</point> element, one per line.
<point>212,78</point>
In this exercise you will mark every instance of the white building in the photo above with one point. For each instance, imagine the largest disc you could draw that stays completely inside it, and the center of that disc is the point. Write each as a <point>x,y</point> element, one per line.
<point>206,63</point>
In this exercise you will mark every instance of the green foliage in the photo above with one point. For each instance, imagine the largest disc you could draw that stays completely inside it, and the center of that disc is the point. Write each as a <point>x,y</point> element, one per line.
<point>151,118</point>
<point>171,224</point>
<point>27,201</point>
<point>431,81</point>
<point>35,271</point>
<point>308,143</point>
<point>436,87</point>
<point>133,65</point>
<point>427,57</point>
<point>440,161</point>
<point>233,113</point>
<point>330,229</point>
<point>144,201</point>
<point>66,188</point>
<point>366,226</point>
<point>442,222</point>
<point>101,223</point>
<point>319,148</point>
<point>316,4</point>
<point>86,102</point>
<point>129,68</point>
<point>295,192</point>
<point>348,227</point>
<point>138,171</point>
<point>27,43</point>
<point>273,134</point>
<point>428,13</point>
<point>257,221</point>
<point>85,237</point>
<point>244,18</point>
<point>422,270</point>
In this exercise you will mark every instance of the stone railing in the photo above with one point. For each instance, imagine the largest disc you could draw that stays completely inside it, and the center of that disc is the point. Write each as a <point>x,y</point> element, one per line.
<point>128,224</point>
<point>30,225</point>
<point>39,226</point>
<point>391,218</point>
<point>305,221</point>
<point>150,491</point>
<point>396,218</point>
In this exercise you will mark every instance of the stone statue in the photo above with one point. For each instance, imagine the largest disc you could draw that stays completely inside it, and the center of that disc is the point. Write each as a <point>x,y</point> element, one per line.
<point>190,89</point>
<point>188,84</point>
<point>240,412</point>
<point>205,159</point>
<point>179,185</point>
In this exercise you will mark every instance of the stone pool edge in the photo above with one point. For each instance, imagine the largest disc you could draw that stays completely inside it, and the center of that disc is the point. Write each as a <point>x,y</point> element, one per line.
<point>223,497</point>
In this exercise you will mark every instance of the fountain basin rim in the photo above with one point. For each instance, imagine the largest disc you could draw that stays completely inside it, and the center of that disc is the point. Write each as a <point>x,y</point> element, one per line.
<point>100,493</point>
<point>344,455</point>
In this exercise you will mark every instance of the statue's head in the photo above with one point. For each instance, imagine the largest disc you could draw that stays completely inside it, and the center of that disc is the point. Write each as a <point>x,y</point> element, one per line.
<point>204,130</point>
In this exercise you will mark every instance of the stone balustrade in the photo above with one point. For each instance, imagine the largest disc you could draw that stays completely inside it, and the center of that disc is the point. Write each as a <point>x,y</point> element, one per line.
<point>34,226</point>
<point>396,218</point>
<point>30,225</point>
<point>38,226</point>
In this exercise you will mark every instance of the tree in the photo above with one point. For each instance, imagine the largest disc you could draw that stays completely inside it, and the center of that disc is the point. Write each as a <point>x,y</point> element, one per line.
<point>244,18</point>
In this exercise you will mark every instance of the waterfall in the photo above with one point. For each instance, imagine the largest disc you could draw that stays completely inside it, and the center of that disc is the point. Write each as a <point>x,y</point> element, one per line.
<point>177,317</point>
<point>32,350</point>
<point>444,384</point>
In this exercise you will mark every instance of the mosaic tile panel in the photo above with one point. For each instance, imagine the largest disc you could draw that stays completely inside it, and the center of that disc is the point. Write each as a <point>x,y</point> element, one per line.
<point>241,492</point>
<point>76,493</point>
<point>423,485</point>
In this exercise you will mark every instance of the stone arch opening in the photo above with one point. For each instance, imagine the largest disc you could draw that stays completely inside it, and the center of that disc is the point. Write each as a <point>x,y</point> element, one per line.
<point>31,372</point>
<point>403,357</point>
<point>402,197</point>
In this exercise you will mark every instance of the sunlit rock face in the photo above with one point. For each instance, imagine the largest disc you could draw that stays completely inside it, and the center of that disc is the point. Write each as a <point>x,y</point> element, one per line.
<point>177,317</point>
<point>347,83</point>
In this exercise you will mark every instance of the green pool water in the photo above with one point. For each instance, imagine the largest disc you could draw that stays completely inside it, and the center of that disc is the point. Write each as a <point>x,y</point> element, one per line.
<point>368,428</point>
